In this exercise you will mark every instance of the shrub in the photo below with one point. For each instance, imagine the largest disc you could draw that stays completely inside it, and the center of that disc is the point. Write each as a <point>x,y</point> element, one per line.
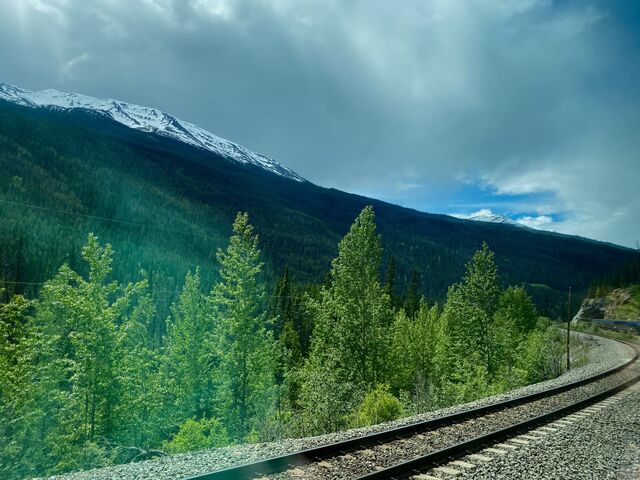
<point>198,435</point>
<point>378,406</point>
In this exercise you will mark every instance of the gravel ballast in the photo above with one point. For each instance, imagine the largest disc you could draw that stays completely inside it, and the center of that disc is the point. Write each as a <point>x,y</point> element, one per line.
<point>599,446</point>
<point>602,355</point>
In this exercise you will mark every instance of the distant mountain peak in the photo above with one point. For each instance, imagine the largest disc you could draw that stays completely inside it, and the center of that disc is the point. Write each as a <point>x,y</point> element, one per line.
<point>146,119</point>
<point>496,218</point>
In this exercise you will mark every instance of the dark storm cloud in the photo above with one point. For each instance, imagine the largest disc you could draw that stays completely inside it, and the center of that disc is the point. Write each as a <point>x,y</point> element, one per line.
<point>409,100</point>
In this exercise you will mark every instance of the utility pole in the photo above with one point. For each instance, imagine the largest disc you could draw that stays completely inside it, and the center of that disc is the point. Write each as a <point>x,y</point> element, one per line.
<point>569,330</point>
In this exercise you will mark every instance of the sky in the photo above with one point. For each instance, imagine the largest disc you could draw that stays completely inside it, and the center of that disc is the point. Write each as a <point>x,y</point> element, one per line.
<point>526,108</point>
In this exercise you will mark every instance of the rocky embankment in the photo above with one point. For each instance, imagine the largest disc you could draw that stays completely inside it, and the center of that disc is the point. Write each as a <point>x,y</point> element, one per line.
<point>619,304</point>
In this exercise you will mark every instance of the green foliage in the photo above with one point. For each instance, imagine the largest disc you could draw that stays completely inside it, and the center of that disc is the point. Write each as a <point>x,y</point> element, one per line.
<point>326,399</point>
<point>350,344</point>
<point>356,305</point>
<point>378,406</point>
<point>514,319</point>
<point>198,435</point>
<point>588,327</point>
<point>542,356</point>
<point>626,274</point>
<point>467,382</point>
<point>245,348</point>
<point>470,307</point>
<point>87,378</point>
<point>412,301</point>
<point>164,206</point>
<point>75,364</point>
<point>13,380</point>
<point>412,353</point>
<point>188,361</point>
<point>630,310</point>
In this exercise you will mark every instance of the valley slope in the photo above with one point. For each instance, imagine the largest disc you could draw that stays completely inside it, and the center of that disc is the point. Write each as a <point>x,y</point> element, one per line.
<point>166,206</point>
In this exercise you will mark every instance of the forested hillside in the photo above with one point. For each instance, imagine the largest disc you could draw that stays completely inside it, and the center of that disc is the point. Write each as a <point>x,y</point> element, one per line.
<point>166,207</point>
<point>84,381</point>
<point>142,315</point>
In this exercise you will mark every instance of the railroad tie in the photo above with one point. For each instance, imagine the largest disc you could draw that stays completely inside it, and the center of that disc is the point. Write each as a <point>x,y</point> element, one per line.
<point>481,458</point>
<point>448,471</point>
<point>460,463</point>
<point>295,472</point>
<point>506,445</point>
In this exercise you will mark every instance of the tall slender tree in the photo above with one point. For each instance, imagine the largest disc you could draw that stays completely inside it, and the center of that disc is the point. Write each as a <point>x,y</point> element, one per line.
<point>247,352</point>
<point>471,305</point>
<point>412,300</point>
<point>352,319</point>
<point>188,363</point>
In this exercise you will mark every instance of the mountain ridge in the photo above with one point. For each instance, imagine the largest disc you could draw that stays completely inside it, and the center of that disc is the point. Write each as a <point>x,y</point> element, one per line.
<point>497,218</point>
<point>89,165</point>
<point>146,119</point>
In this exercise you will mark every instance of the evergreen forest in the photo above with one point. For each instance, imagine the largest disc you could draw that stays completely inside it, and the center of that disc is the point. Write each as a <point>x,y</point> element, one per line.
<point>166,207</point>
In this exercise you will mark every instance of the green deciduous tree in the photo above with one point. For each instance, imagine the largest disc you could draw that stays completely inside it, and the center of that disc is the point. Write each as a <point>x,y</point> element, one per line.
<point>470,307</point>
<point>413,351</point>
<point>74,391</point>
<point>513,321</point>
<point>198,435</point>
<point>379,405</point>
<point>351,342</point>
<point>13,382</point>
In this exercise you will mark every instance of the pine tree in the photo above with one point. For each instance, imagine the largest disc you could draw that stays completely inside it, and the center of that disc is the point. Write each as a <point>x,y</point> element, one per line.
<point>412,301</point>
<point>188,362</point>
<point>361,310</point>
<point>247,352</point>
<point>282,309</point>
<point>138,410</point>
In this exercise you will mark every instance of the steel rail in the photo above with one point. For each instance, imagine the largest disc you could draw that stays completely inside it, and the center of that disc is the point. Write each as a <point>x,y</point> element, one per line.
<point>423,463</point>
<point>304,457</point>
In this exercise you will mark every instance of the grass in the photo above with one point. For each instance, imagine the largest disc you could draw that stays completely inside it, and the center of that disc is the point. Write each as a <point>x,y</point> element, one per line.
<point>603,332</point>
<point>631,309</point>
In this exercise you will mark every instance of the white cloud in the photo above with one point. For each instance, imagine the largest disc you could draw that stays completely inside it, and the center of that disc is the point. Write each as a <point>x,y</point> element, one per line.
<point>403,186</point>
<point>526,98</point>
<point>67,69</point>
<point>541,222</point>
<point>484,212</point>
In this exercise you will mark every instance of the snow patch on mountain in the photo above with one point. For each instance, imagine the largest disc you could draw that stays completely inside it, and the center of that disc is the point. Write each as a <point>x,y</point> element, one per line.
<point>145,119</point>
<point>486,215</point>
<point>494,218</point>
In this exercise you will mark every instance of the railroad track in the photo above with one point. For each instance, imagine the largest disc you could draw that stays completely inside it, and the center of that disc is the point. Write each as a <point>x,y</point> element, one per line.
<point>438,447</point>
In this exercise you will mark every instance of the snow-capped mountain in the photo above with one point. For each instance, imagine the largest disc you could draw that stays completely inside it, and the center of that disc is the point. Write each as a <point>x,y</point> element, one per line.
<point>496,218</point>
<point>145,119</point>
